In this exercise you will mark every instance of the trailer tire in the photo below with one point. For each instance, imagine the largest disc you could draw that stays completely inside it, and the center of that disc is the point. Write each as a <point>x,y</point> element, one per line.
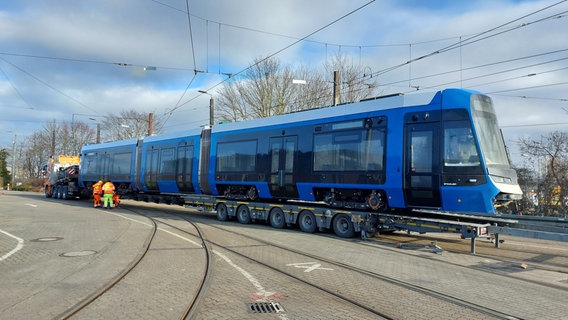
<point>343,226</point>
<point>277,218</point>
<point>243,214</point>
<point>222,212</point>
<point>56,193</point>
<point>64,193</point>
<point>307,221</point>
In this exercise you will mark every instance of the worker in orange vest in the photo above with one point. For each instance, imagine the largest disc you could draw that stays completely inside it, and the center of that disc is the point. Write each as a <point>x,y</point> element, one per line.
<point>108,190</point>
<point>116,199</point>
<point>97,192</point>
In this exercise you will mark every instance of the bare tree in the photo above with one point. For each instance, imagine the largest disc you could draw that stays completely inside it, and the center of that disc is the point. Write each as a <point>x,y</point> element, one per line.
<point>37,153</point>
<point>550,153</point>
<point>354,85</point>
<point>528,181</point>
<point>267,89</point>
<point>313,91</point>
<point>128,124</point>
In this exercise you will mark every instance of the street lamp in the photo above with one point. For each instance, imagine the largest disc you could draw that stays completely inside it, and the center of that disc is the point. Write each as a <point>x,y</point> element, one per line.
<point>211,106</point>
<point>91,117</point>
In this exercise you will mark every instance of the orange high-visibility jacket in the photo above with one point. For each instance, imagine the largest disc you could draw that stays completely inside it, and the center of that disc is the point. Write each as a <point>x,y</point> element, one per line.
<point>108,188</point>
<point>97,188</point>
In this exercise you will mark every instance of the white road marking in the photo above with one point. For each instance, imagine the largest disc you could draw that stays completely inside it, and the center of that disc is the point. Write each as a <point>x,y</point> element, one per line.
<point>19,246</point>
<point>31,205</point>
<point>263,295</point>
<point>309,266</point>
<point>259,288</point>
<point>164,230</point>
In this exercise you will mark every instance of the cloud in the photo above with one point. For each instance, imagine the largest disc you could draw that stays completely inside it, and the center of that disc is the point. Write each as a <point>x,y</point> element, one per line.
<point>66,57</point>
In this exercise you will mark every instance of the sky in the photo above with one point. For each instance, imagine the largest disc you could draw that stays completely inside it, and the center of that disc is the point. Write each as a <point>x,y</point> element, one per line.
<point>78,60</point>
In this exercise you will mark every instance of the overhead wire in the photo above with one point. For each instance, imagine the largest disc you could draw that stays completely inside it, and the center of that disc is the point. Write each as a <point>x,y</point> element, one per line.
<point>16,89</point>
<point>282,49</point>
<point>49,86</point>
<point>532,98</point>
<point>473,39</point>
<point>120,64</point>
<point>189,15</point>
<point>491,64</point>
<point>169,113</point>
<point>469,40</point>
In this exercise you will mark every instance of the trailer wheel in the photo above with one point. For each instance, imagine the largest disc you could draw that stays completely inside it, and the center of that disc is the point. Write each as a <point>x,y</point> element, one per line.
<point>307,221</point>
<point>64,193</point>
<point>277,218</point>
<point>243,214</point>
<point>57,193</point>
<point>222,213</point>
<point>343,226</point>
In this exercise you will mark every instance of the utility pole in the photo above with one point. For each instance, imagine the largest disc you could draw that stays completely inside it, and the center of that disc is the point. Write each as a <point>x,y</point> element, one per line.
<point>13,160</point>
<point>336,99</point>
<point>150,123</point>
<point>53,141</point>
<point>211,107</point>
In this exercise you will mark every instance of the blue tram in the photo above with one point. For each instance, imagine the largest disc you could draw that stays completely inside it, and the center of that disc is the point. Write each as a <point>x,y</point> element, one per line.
<point>441,151</point>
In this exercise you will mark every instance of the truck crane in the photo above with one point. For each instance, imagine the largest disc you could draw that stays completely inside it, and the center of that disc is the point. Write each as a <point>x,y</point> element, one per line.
<point>61,177</point>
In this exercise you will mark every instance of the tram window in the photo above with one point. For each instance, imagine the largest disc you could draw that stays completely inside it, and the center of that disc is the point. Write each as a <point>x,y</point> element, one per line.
<point>459,147</point>
<point>421,152</point>
<point>167,164</point>
<point>89,167</point>
<point>184,163</point>
<point>237,156</point>
<point>151,168</point>
<point>121,165</point>
<point>361,150</point>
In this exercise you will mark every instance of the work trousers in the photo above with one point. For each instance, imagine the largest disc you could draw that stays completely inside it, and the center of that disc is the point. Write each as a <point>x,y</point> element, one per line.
<point>97,197</point>
<point>108,199</point>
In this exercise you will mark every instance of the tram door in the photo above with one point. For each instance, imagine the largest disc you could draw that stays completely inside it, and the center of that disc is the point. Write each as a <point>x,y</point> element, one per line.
<point>282,160</point>
<point>422,165</point>
<point>184,168</point>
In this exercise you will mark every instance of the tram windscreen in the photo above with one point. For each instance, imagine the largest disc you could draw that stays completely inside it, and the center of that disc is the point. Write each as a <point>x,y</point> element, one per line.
<point>490,138</point>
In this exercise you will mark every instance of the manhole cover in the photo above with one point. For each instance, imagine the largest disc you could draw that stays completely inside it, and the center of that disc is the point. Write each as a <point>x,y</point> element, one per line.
<point>78,253</point>
<point>47,239</point>
<point>265,307</point>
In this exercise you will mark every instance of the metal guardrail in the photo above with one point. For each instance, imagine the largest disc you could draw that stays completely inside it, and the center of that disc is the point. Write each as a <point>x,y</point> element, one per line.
<point>536,227</point>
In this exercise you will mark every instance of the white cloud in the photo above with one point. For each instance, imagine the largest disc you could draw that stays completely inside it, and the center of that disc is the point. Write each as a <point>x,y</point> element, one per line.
<point>382,35</point>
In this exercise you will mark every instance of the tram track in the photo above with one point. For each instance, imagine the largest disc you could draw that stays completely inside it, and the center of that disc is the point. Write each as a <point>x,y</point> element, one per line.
<point>501,261</point>
<point>333,291</point>
<point>156,226</point>
<point>247,246</point>
<point>353,299</point>
<point>330,292</point>
<point>73,311</point>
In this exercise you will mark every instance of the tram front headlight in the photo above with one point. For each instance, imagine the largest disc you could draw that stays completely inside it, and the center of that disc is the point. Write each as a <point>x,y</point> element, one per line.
<point>498,179</point>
